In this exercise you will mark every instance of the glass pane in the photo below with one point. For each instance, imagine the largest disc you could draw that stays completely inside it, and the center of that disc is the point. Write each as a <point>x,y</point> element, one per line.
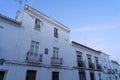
<point>36,49</point>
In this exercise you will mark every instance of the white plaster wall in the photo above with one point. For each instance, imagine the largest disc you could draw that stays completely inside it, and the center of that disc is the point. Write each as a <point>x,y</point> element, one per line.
<point>9,39</point>
<point>46,38</point>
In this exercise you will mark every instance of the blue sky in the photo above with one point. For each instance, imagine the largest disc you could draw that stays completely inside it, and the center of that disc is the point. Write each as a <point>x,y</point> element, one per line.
<point>95,23</point>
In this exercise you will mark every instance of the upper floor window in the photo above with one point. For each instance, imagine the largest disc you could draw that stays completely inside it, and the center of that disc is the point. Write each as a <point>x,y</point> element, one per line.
<point>46,50</point>
<point>56,32</point>
<point>79,55</point>
<point>96,59</point>
<point>89,58</point>
<point>34,47</point>
<point>37,24</point>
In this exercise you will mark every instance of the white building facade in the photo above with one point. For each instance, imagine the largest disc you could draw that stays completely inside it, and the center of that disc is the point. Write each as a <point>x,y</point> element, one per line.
<point>88,62</point>
<point>36,47</point>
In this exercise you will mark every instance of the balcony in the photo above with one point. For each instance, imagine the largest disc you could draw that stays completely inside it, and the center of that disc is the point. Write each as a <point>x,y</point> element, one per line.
<point>81,64</point>
<point>110,71</point>
<point>91,65</point>
<point>34,58</point>
<point>98,66</point>
<point>56,61</point>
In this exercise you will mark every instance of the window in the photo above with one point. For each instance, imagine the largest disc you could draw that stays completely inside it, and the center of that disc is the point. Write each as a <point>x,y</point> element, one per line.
<point>31,75</point>
<point>34,47</point>
<point>46,50</point>
<point>55,75</point>
<point>92,76</point>
<point>2,61</point>
<point>99,76</point>
<point>56,32</point>
<point>37,24</point>
<point>116,78</point>
<point>2,74</point>
<point>96,59</point>
<point>89,58</point>
<point>55,51</point>
<point>110,78</point>
<point>82,76</point>
<point>79,61</point>
<point>79,57</point>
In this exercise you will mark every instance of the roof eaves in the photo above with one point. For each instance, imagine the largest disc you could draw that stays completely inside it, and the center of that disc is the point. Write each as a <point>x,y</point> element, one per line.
<point>10,19</point>
<point>86,47</point>
<point>114,61</point>
<point>48,17</point>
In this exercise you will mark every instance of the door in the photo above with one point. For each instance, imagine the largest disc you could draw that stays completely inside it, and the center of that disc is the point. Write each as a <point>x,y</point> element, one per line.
<point>31,75</point>
<point>92,77</point>
<point>2,74</point>
<point>55,75</point>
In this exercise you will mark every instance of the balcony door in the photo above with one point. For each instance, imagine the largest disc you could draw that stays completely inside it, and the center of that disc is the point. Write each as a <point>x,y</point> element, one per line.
<point>34,47</point>
<point>55,75</point>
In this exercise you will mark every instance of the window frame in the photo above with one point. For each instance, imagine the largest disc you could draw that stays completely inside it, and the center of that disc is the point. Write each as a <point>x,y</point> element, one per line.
<point>55,51</point>
<point>34,48</point>
<point>55,74</point>
<point>46,51</point>
<point>37,25</point>
<point>55,32</point>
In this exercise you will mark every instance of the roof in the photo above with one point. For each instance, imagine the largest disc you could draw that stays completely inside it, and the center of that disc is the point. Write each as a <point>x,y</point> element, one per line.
<point>73,42</point>
<point>9,19</point>
<point>114,61</point>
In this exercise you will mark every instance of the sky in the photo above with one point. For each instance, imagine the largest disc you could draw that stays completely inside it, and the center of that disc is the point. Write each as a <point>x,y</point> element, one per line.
<point>94,23</point>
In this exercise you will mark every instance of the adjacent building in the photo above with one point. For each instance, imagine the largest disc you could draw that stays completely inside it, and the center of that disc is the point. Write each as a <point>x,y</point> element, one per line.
<point>36,47</point>
<point>88,62</point>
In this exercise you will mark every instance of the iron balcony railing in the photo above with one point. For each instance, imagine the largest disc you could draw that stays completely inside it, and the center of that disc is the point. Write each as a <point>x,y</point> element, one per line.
<point>91,65</point>
<point>98,66</point>
<point>110,71</point>
<point>81,63</point>
<point>35,58</point>
<point>56,61</point>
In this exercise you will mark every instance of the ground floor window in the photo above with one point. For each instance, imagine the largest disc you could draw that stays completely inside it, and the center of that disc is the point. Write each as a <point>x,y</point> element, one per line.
<point>31,75</point>
<point>116,78</point>
<point>55,75</point>
<point>82,76</point>
<point>92,76</point>
<point>2,74</point>
<point>99,76</point>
